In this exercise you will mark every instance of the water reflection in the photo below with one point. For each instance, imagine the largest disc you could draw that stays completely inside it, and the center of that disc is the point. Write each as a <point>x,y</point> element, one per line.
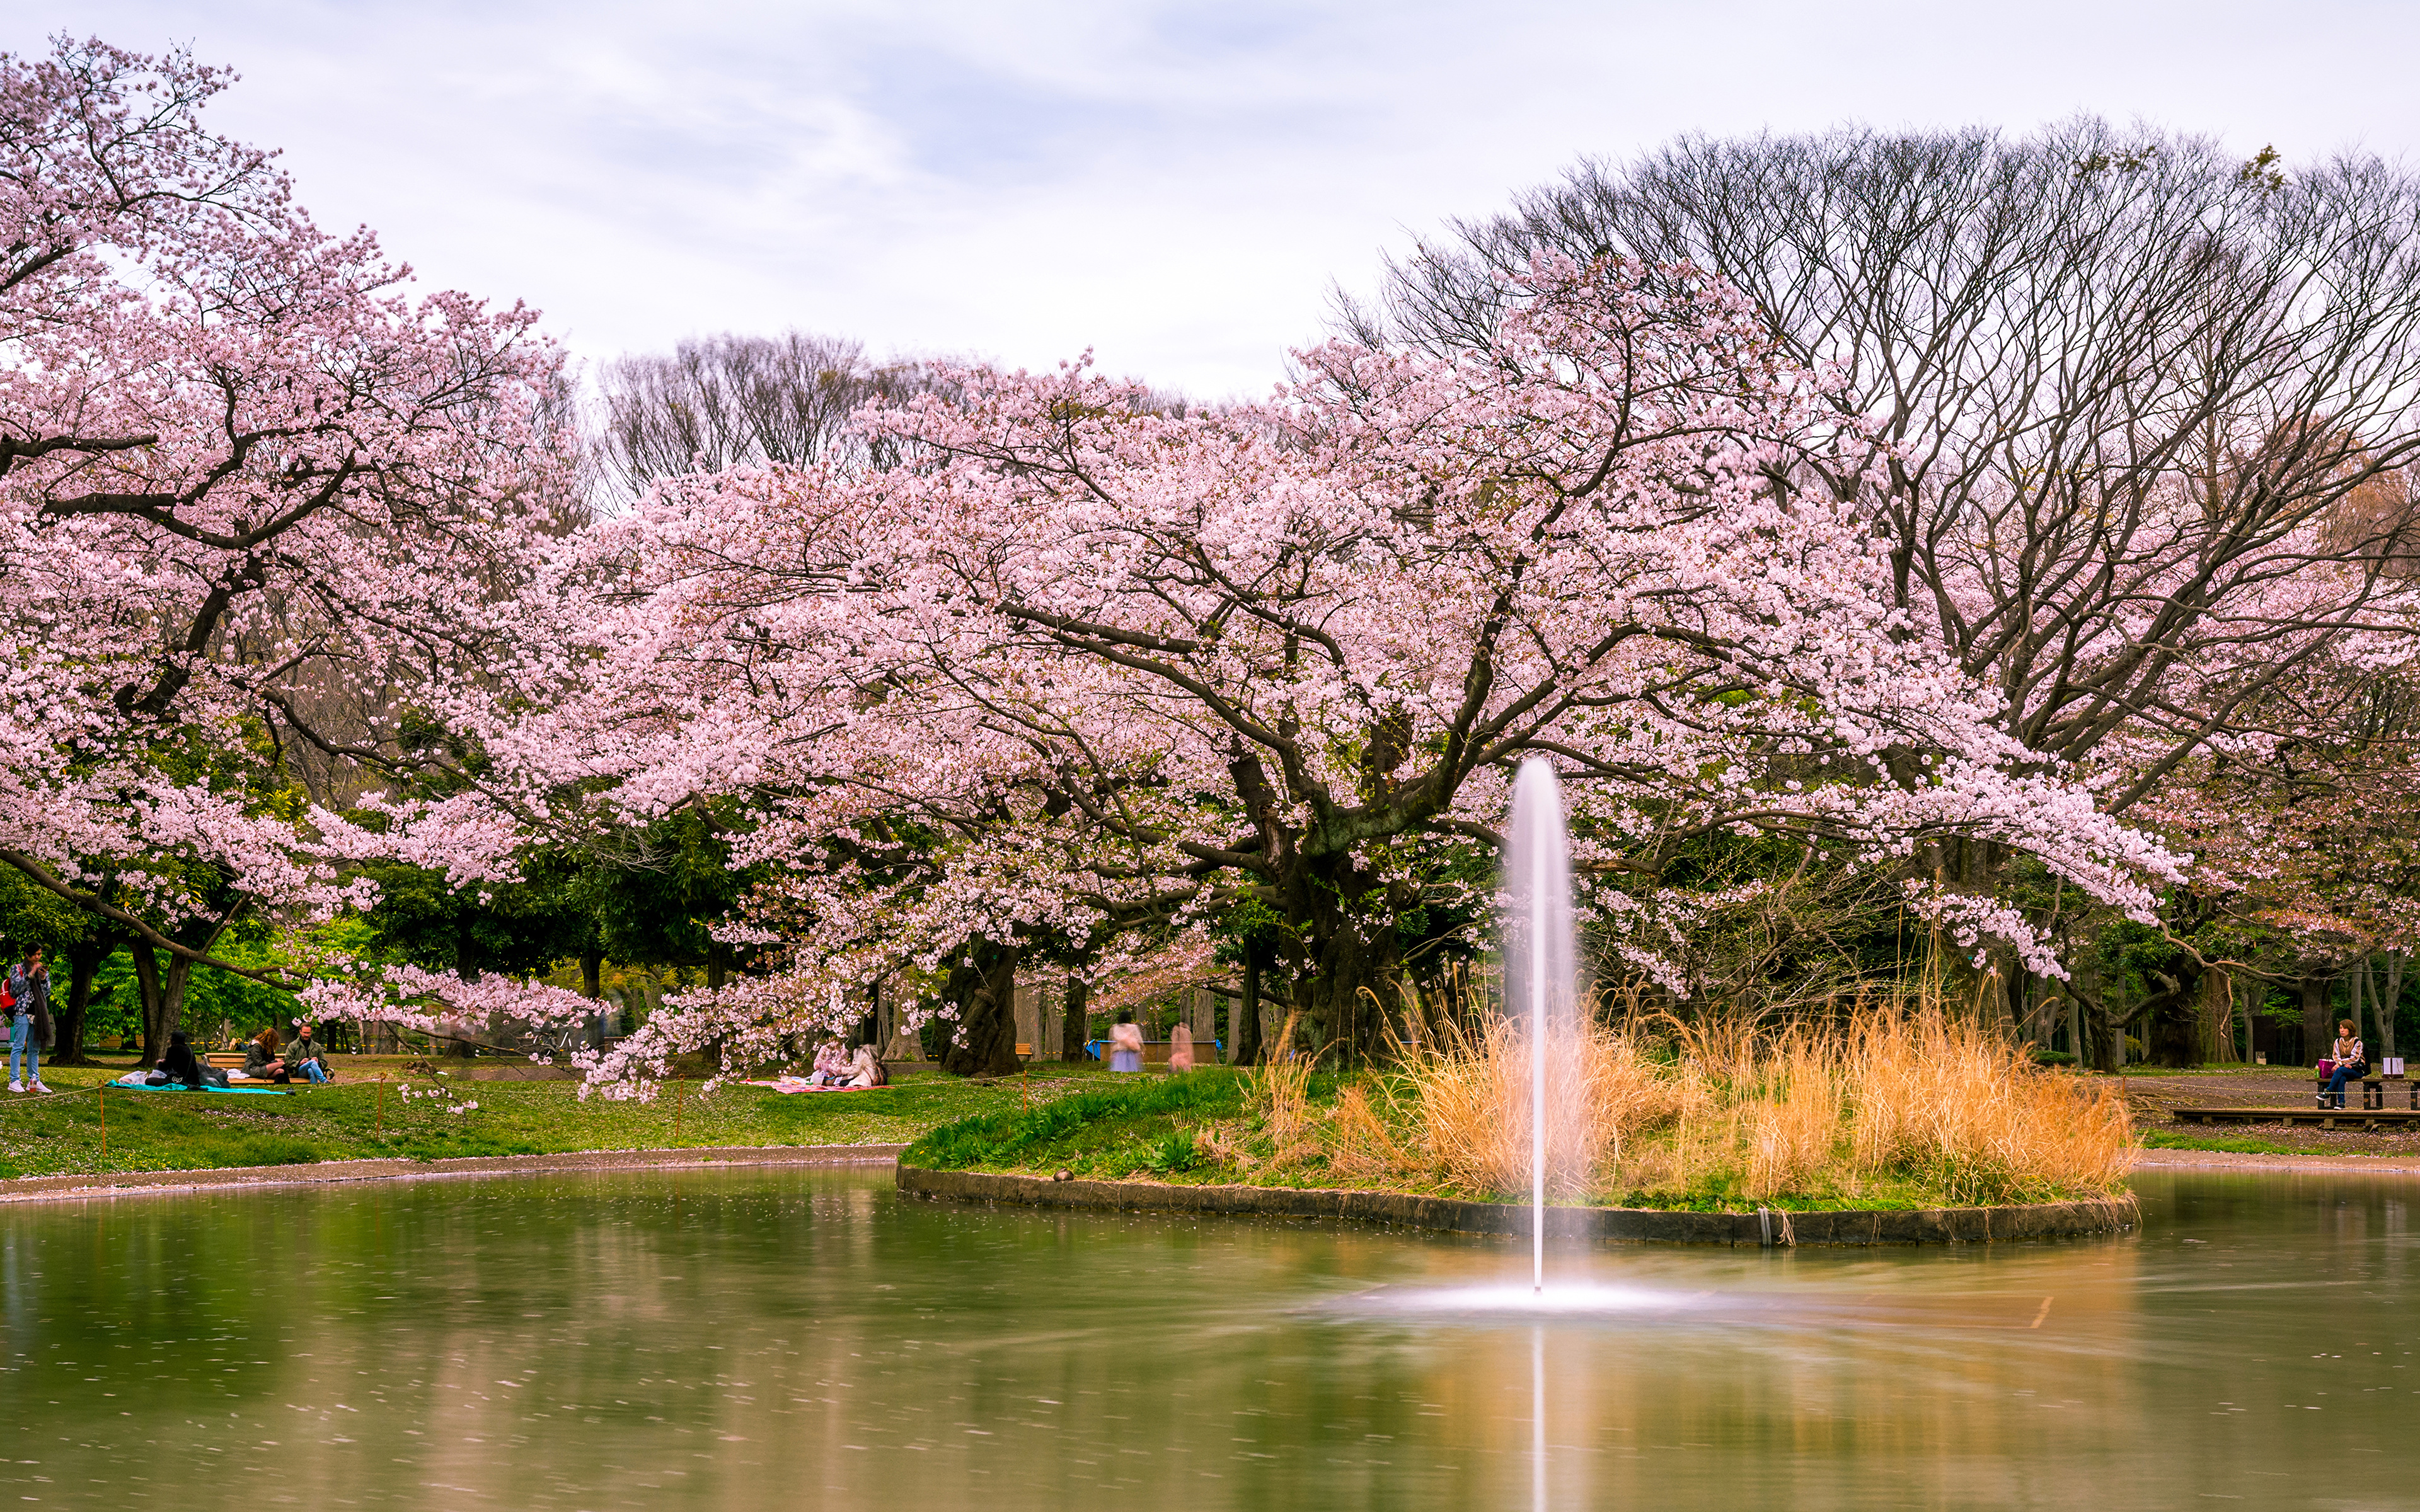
<point>773,1339</point>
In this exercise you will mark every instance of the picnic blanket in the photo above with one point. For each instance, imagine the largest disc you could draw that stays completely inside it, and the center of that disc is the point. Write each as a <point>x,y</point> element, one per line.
<point>125,1086</point>
<point>788,1085</point>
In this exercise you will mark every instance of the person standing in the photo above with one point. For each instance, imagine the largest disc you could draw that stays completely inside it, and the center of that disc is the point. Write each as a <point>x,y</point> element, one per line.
<point>29,1024</point>
<point>1126,1043</point>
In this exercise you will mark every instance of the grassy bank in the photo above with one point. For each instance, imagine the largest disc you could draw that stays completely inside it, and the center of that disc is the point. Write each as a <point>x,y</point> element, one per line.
<point>352,1119</point>
<point>1876,1112</point>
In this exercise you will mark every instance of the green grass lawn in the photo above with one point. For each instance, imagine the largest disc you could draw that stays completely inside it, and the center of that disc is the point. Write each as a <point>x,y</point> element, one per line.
<point>348,1119</point>
<point>2229,1143</point>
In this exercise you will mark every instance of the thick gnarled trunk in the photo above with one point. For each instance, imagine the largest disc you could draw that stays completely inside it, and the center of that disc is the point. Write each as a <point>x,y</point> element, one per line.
<point>985,988</point>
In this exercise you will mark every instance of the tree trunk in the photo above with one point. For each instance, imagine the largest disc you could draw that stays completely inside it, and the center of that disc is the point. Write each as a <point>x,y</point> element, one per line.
<point>2316,1038</point>
<point>84,961</point>
<point>2218,1010</point>
<point>2391,1003</point>
<point>592,975</point>
<point>147,981</point>
<point>1074,1027</point>
<point>163,999</point>
<point>2171,1016</point>
<point>1244,1014</point>
<point>986,992</point>
<point>1330,988</point>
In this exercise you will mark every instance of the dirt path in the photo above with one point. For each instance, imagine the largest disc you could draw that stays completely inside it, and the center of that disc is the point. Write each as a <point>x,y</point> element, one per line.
<point>2229,1159</point>
<point>2151,1097</point>
<point>136,1184</point>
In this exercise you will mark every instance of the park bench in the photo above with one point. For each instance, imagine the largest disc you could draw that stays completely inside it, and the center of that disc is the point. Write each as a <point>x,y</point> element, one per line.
<point>233,1060</point>
<point>1155,1052</point>
<point>2373,1088</point>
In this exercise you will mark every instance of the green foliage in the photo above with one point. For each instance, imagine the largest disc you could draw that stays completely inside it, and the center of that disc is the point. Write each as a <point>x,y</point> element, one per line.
<point>1175,1154</point>
<point>1004,1138</point>
<point>34,918</point>
<point>519,929</point>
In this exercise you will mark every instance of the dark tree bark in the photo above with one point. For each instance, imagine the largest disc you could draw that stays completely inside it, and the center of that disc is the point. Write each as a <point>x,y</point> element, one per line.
<point>1345,974</point>
<point>1073,1028</point>
<point>83,959</point>
<point>2315,1035</point>
<point>986,992</point>
<point>2171,1016</point>
<point>163,998</point>
<point>1244,1026</point>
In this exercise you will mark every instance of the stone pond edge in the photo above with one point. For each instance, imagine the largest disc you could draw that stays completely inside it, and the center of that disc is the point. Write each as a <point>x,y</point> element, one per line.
<point>1924,1225</point>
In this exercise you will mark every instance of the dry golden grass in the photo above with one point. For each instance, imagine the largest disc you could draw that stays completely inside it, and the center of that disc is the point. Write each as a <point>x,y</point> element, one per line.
<point>1896,1101</point>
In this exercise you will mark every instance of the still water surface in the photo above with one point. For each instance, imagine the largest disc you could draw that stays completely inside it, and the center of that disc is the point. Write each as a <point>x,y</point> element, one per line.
<point>789,1338</point>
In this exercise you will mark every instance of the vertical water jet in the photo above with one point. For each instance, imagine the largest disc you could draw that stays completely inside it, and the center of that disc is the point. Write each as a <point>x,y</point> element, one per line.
<point>1540,967</point>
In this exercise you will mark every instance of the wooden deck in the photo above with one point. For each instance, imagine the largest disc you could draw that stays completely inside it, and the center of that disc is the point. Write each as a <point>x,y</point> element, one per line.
<point>2355,1117</point>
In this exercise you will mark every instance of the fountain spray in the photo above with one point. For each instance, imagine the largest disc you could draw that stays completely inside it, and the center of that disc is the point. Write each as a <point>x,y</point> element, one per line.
<point>1539,962</point>
<point>1538,1066</point>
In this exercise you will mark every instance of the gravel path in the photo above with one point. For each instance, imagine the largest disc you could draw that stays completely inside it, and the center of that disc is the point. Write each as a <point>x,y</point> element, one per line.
<point>2233,1161</point>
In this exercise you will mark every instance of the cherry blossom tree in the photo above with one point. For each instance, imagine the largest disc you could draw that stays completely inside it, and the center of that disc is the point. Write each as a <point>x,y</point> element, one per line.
<point>255,498</point>
<point>2140,397</point>
<point>1080,671</point>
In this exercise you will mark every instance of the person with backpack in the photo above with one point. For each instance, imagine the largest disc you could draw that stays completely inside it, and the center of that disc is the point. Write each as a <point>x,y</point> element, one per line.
<point>29,1022</point>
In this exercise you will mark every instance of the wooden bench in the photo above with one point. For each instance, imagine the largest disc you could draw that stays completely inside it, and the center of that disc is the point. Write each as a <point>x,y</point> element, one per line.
<point>233,1060</point>
<point>1155,1051</point>
<point>2373,1089</point>
<point>2367,1119</point>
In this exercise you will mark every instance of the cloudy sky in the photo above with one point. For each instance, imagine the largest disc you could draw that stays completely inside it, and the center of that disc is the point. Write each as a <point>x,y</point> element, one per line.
<point>1173,186</point>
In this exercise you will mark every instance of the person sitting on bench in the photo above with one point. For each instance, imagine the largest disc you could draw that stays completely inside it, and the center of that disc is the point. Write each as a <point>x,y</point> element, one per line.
<point>302,1055</point>
<point>261,1061</point>
<point>2351,1062</point>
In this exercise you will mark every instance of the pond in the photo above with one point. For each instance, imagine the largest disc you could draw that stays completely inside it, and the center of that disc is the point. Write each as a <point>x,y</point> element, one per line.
<point>793,1338</point>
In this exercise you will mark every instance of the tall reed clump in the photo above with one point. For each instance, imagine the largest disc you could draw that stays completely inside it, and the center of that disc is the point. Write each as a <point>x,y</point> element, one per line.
<point>1459,1112</point>
<point>1897,1103</point>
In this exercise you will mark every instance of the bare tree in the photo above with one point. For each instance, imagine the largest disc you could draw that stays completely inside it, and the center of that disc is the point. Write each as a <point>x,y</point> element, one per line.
<point>2150,408</point>
<point>738,401</point>
<point>2125,378</point>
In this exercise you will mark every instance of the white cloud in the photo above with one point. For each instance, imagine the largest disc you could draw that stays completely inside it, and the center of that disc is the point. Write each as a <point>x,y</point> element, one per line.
<point>1171,185</point>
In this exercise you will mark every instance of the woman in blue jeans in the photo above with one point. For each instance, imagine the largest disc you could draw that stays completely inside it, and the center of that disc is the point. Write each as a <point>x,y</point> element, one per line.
<point>2352,1062</point>
<point>29,1024</point>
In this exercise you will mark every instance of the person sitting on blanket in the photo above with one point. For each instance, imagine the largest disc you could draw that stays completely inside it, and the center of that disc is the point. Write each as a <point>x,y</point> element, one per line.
<point>302,1055</point>
<point>179,1064</point>
<point>833,1066</point>
<point>2350,1059</point>
<point>261,1061</point>
<point>869,1071</point>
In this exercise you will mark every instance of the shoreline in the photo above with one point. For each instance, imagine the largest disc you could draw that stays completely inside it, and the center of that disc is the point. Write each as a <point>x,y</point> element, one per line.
<point>1764,1228</point>
<point>332,1173</point>
<point>2213,1160</point>
<point>340,1172</point>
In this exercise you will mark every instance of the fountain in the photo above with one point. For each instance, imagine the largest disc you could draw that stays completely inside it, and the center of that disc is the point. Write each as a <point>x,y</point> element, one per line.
<point>1540,967</point>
